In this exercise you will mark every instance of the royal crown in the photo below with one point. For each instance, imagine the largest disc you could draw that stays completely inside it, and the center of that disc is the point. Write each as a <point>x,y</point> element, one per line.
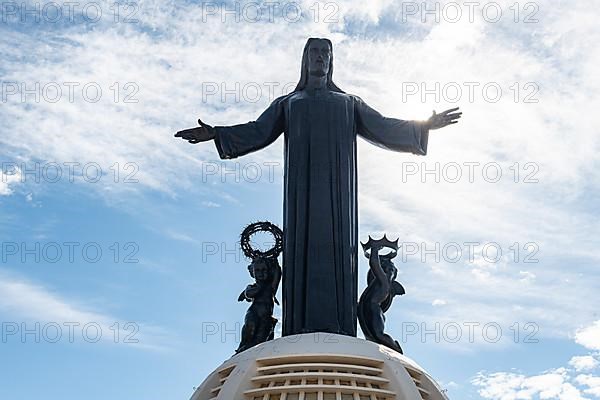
<point>383,242</point>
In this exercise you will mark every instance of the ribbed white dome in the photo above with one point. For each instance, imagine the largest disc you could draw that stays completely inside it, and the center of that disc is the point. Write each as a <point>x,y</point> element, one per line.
<point>319,366</point>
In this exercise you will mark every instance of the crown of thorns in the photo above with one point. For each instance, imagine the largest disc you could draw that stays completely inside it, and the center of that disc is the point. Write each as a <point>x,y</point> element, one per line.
<point>262,226</point>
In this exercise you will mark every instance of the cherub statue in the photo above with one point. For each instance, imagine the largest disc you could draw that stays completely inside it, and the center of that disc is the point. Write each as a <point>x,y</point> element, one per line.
<point>379,294</point>
<point>259,323</point>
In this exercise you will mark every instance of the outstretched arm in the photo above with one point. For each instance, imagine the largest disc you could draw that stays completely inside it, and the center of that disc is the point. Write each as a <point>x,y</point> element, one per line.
<point>238,140</point>
<point>397,134</point>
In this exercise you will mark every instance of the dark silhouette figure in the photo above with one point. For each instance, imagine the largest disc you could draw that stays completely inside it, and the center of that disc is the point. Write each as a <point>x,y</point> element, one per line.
<point>321,124</point>
<point>259,323</point>
<point>379,294</point>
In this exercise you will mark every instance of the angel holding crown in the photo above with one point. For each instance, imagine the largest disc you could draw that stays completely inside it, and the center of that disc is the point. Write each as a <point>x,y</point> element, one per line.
<point>379,294</point>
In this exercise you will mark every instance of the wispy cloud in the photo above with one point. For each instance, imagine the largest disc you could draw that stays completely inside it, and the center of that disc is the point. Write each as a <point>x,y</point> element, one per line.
<point>562,383</point>
<point>583,363</point>
<point>7,180</point>
<point>553,384</point>
<point>26,304</point>
<point>182,237</point>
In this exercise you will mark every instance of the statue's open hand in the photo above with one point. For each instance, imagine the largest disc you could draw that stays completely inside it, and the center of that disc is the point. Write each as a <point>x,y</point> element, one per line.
<point>203,133</point>
<point>445,118</point>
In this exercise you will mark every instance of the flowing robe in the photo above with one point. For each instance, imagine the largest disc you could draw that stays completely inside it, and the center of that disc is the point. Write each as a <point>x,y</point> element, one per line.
<point>320,213</point>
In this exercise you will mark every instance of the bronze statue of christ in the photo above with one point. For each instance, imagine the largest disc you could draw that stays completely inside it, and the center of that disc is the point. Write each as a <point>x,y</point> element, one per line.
<point>320,123</point>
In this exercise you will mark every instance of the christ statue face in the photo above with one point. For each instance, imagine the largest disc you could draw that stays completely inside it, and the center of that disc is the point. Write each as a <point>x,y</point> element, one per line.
<point>319,57</point>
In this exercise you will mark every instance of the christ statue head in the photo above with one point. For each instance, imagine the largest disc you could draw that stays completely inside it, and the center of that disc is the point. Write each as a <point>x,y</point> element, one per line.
<point>317,59</point>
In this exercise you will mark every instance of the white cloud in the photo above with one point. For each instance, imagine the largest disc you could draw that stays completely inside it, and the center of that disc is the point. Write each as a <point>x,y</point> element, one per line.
<point>512,386</point>
<point>592,383</point>
<point>7,180</point>
<point>560,383</point>
<point>589,337</point>
<point>527,276</point>
<point>438,302</point>
<point>26,304</point>
<point>180,236</point>
<point>583,363</point>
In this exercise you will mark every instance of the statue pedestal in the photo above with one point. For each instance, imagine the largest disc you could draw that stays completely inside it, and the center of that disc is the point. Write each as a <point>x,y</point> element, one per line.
<point>319,366</point>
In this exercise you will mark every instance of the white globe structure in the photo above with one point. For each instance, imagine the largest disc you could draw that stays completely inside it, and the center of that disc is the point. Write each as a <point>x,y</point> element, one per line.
<point>319,366</point>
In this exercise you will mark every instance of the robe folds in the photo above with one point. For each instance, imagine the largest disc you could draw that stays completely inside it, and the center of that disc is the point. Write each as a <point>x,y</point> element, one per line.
<point>320,214</point>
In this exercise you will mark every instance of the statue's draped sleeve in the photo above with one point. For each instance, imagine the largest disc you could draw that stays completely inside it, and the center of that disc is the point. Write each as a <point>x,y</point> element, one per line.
<point>237,140</point>
<point>390,133</point>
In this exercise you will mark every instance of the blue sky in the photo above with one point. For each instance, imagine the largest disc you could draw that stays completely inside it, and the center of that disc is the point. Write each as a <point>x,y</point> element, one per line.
<point>499,221</point>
